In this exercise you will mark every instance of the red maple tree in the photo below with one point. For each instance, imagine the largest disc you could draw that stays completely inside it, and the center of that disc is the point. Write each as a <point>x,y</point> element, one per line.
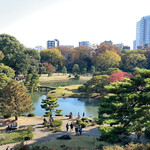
<point>119,76</point>
<point>49,67</point>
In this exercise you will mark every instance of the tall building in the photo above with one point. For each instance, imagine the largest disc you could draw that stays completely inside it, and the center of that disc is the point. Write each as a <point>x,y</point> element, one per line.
<point>53,43</point>
<point>142,32</point>
<point>84,43</point>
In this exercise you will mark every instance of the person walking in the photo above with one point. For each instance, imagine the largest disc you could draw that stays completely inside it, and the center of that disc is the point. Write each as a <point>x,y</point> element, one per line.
<point>76,130</point>
<point>79,115</point>
<point>67,126</point>
<point>71,127</point>
<point>83,114</point>
<point>80,130</point>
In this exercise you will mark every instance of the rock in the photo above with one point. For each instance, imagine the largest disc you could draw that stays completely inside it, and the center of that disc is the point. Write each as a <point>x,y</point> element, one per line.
<point>64,137</point>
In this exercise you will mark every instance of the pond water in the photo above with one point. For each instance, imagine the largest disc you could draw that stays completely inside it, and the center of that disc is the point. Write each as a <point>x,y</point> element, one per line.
<point>74,105</point>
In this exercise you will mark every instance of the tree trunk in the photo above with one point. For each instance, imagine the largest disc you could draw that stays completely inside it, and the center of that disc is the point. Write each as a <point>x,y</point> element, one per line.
<point>16,117</point>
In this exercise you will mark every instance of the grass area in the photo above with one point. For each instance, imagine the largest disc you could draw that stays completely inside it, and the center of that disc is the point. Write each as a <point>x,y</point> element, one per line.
<point>87,142</point>
<point>66,91</point>
<point>59,79</point>
<point>14,136</point>
<point>71,91</point>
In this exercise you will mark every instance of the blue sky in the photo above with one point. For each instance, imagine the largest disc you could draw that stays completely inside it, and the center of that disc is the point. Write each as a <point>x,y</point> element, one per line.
<point>33,22</point>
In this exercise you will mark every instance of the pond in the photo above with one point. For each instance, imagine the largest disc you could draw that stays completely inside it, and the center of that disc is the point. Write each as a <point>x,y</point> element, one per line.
<point>87,105</point>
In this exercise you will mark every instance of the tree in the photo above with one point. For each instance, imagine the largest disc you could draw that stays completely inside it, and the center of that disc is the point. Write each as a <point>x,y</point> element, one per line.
<point>64,70</point>
<point>119,76</point>
<point>33,53</point>
<point>13,52</point>
<point>132,60</point>
<point>92,69</point>
<point>52,56</point>
<point>126,109</point>
<point>107,60</point>
<point>10,73</point>
<point>15,100</point>
<point>111,71</point>
<point>22,64</point>
<point>42,69</point>
<point>34,60</point>
<point>49,68</point>
<point>96,84</point>
<point>3,82</point>
<point>49,104</point>
<point>75,68</point>
<point>106,47</point>
<point>34,82</point>
<point>1,56</point>
<point>82,56</point>
<point>84,71</point>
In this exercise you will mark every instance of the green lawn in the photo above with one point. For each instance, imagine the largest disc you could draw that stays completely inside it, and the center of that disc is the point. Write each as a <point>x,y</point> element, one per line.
<point>13,136</point>
<point>66,91</point>
<point>87,142</point>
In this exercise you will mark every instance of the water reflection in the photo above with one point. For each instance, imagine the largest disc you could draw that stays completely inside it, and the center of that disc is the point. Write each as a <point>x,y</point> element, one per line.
<point>74,105</point>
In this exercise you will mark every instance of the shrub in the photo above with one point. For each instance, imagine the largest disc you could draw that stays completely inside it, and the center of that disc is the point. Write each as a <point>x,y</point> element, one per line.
<point>37,147</point>
<point>21,146</point>
<point>7,115</point>
<point>96,120</point>
<point>97,73</point>
<point>58,114</point>
<point>24,115</point>
<point>83,124</point>
<point>77,77</point>
<point>31,115</point>
<point>56,123</point>
<point>81,88</point>
<point>85,120</point>
<point>78,121</point>
<point>30,129</point>
<point>57,129</point>
<point>66,115</point>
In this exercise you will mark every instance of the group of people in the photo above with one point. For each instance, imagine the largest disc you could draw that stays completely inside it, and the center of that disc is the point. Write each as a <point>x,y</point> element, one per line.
<point>12,126</point>
<point>79,116</point>
<point>77,129</point>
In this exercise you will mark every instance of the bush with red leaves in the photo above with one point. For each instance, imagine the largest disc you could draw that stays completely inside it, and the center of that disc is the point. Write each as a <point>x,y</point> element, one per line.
<point>119,76</point>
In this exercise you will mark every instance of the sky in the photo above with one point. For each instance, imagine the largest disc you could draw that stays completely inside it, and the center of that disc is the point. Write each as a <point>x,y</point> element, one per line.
<point>34,22</point>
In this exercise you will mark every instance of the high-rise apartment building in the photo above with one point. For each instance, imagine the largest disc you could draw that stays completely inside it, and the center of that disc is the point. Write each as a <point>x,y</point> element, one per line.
<point>142,32</point>
<point>53,43</point>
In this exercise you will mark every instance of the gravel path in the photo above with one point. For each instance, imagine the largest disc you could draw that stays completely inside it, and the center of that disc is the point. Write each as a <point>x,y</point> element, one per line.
<point>41,134</point>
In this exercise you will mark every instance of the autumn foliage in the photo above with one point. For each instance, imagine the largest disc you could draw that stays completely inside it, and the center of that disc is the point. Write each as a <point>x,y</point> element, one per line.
<point>49,67</point>
<point>119,76</point>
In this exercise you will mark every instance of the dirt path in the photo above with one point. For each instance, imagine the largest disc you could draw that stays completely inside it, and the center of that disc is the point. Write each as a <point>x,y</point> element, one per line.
<point>41,134</point>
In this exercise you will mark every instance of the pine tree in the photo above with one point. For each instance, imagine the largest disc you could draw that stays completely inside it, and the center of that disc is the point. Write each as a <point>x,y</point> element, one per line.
<point>49,104</point>
<point>15,100</point>
<point>126,107</point>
